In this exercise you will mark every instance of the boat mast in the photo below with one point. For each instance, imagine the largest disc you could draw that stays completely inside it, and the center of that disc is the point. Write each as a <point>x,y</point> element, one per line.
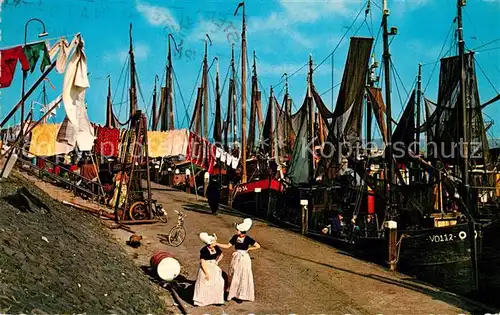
<point>169,85</point>
<point>217,125</point>
<point>154,113</point>
<point>243,95</point>
<point>233,97</point>
<point>417,136</point>
<point>133,92</point>
<point>205,88</point>
<point>466,129</point>
<point>372,78</point>
<point>311,118</point>
<point>44,93</point>
<point>387,77</point>
<point>274,149</point>
<point>463,106</point>
<point>110,122</point>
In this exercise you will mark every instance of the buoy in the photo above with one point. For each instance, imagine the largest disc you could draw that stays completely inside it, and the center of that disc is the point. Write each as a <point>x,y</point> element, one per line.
<point>165,265</point>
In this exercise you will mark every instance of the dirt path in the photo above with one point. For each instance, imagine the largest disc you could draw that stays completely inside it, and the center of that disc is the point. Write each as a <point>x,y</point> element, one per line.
<point>292,274</point>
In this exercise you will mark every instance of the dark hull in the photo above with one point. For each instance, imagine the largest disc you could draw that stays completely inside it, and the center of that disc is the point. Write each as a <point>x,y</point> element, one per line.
<point>259,204</point>
<point>439,256</point>
<point>489,264</point>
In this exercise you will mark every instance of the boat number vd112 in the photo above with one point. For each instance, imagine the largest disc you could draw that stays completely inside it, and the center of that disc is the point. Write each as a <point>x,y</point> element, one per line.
<point>441,238</point>
<point>448,237</point>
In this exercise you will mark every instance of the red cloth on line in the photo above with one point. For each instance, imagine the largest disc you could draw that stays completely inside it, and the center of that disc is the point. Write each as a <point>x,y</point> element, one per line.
<point>8,62</point>
<point>107,141</point>
<point>211,158</point>
<point>201,152</point>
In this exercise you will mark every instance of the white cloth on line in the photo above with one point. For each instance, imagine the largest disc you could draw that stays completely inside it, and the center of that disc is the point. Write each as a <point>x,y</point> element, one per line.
<point>76,129</point>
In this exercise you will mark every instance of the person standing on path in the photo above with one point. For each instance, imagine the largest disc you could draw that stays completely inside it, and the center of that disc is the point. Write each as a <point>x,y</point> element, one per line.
<point>213,195</point>
<point>242,284</point>
<point>209,287</point>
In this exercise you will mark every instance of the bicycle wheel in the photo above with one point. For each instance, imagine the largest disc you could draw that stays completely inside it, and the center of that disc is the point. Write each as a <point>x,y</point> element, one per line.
<point>138,211</point>
<point>176,235</point>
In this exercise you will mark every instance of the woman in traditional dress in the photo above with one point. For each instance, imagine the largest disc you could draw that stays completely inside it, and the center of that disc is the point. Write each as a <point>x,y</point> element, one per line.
<point>242,286</point>
<point>209,287</point>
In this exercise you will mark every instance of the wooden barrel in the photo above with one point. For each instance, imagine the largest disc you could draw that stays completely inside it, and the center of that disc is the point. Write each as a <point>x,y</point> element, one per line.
<point>165,265</point>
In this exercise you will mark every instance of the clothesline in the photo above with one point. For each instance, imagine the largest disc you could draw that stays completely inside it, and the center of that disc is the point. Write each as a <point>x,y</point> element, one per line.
<point>39,41</point>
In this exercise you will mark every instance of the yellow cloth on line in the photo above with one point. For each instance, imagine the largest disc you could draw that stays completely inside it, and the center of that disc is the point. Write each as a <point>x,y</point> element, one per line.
<point>157,141</point>
<point>43,140</point>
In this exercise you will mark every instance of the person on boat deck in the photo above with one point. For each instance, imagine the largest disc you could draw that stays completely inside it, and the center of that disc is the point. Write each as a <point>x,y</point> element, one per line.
<point>213,195</point>
<point>336,229</point>
<point>369,226</point>
<point>242,285</point>
<point>209,287</point>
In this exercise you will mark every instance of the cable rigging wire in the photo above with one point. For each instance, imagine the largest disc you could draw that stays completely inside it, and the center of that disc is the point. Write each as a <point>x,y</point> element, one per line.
<point>341,39</point>
<point>187,116</point>
<point>439,56</point>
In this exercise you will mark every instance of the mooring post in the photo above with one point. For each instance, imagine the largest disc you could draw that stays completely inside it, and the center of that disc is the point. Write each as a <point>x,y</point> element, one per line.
<point>304,203</point>
<point>257,191</point>
<point>392,226</point>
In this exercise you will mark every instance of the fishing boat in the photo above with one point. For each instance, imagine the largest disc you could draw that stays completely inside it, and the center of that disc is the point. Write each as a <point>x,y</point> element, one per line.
<point>445,249</point>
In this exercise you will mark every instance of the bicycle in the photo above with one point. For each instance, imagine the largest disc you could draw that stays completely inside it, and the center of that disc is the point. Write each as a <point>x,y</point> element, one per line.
<point>178,233</point>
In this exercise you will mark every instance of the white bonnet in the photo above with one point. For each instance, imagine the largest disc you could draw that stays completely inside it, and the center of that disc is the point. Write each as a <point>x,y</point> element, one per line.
<point>245,225</point>
<point>208,239</point>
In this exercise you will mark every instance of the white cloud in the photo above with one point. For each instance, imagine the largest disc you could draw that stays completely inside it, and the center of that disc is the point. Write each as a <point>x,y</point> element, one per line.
<point>156,15</point>
<point>218,34</point>
<point>296,12</point>
<point>141,52</point>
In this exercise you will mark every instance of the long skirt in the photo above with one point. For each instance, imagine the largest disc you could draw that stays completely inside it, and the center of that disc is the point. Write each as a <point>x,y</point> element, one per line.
<point>241,286</point>
<point>211,291</point>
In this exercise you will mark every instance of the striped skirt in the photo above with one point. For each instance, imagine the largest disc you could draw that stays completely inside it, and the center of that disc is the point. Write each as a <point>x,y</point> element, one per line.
<point>211,291</point>
<point>242,286</point>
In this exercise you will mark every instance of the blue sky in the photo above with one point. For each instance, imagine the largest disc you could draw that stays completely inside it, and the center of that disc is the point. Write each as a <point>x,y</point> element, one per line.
<point>283,33</point>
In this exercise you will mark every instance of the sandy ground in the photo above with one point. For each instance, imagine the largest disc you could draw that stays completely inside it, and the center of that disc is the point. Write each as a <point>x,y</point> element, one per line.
<point>293,274</point>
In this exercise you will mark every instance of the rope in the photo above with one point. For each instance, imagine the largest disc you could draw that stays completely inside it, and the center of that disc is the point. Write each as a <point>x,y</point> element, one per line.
<point>341,39</point>
<point>439,55</point>
<point>294,73</point>
<point>491,83</point>
<point>182,98</point>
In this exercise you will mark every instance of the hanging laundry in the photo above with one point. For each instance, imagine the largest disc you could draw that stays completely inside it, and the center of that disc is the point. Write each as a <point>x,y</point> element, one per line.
<point>8,62</point>
<point>107,141</point>
<point>157,144</point>
<point>177,142</point>
<point>61,48</point>
<point>212,159</point>
<point>229,160</point>
<point>33,53</point>
<point>235,163</point>
<point>43,140</point>
<point>78,130</point>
